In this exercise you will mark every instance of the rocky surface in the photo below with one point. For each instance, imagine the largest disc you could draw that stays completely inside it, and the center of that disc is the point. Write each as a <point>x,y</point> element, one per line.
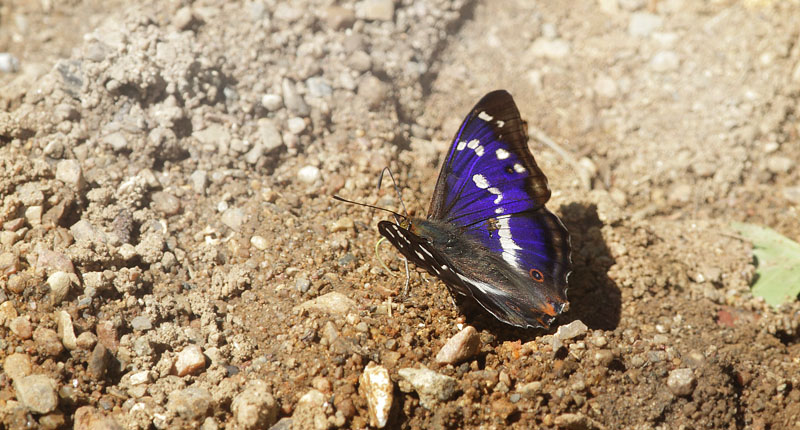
<point>171,257</point>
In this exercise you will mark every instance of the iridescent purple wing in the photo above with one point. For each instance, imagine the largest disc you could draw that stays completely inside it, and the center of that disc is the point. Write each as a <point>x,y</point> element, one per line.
<point>489,169</point>
<point>492,189</point>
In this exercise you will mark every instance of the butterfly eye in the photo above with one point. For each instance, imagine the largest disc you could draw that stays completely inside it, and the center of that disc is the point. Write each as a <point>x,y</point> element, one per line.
<point>536,275</point>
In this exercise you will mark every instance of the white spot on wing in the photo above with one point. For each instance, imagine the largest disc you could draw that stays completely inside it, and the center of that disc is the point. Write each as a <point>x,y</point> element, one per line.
<point>499,210</point>
<point>419,254</point>
<point>501,153</point>
<point>479,151</point>
<point>500,124</point>
<point>483,286</point>
<point>485,116</point>
<point>506,241</point>
<point>472,144</point>
<point>480,181</point>
<point>518,167</point>
<point>498,193</point>
<point>461,146</point>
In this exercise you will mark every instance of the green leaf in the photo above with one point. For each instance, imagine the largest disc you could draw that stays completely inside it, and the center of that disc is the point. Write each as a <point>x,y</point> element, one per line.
<point>778,263</point>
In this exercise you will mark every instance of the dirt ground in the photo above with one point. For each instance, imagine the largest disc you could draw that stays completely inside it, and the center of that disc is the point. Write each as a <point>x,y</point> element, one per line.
<point>172,257</point>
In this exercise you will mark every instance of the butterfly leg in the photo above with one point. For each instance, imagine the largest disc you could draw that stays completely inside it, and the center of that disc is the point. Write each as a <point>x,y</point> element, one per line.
<point>378,256</point>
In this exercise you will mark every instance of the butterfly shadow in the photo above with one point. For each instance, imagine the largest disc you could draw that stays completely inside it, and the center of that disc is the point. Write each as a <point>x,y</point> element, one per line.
<point>594,298</point>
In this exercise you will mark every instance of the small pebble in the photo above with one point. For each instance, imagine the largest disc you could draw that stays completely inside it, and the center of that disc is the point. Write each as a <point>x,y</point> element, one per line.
<point>47,341</point>
<point>199,181</point>
<point>665,61</point>
<point>33,215</point>
<point>643,24</point>
<point>89,418</point>
<point>183,18</point>
<point>117,141</point>
<point>69,172</point>
<point>66,332</point>
<point>165,203</point>
<point>308,174</point>
<point>530,389</point>
<point>141,323</point>
<point>8,63</point>
<point>271,102</point>
<point>268,135</point>
<point>37,393</point>
<point>463,346</point>
<point>360,61</point>
<point>549,48</point>
<point>259,242</point>
<point>431,387</point>
<point>296,125</point>
<point>30,193</point>
<point>339,18</point>
<point>98,362</point>
<point>310,411</point>
<point>376,385</point>
<point>302,285</point>
<point>139,378</point>
<point>681,382</point>
<point>55,261</point>
<point>318,87</point>
<point>190,361</point>
<point>566,332</point>
<point>60,284</point>
<point>191,403</point>
<point>332,303</point>
<point>107,335</point>
<point>372,90</point>
<point>254,408</point>
<point>375,10</point>
<point>294,101</point>
<point>605,86</point>
<point>779,164</point>
<point>604,357</point>
<point>9,263</point>
<point>86,340</point>
<point>21,326</point>
<point>86,231</point>
<point>7,312</point>
<point>233,218</point>
<point>17,366</point>
<point>342,224</point>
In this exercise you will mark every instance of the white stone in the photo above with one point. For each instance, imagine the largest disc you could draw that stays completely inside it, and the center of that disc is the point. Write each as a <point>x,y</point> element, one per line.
<point>190,361</point>
<point>375,10</point>
<point>66,332</point>
<point>644,23</point>
<point>376,385</point>
<point>296,125</point>
<point>550,48</point>
<point>665,61</point>
<point>271,102</point>
<point>308,174</point>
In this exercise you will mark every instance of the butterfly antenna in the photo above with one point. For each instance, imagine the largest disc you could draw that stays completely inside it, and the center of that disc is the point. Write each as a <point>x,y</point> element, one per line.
<point>402,203</point>
<point>396,188</point>
<point>397,215</point>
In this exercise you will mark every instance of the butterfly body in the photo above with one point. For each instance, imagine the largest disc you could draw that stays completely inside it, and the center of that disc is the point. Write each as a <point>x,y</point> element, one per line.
<point>488,235</point>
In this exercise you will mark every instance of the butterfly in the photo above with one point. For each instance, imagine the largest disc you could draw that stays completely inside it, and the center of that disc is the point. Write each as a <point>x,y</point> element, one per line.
<point>488,235</point>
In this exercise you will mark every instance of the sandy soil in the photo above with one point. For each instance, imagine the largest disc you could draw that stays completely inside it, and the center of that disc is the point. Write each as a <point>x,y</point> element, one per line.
<point>172,258</point>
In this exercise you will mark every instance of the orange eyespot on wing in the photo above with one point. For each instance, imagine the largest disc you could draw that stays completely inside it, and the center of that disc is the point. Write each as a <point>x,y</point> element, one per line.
<point>536,275</point>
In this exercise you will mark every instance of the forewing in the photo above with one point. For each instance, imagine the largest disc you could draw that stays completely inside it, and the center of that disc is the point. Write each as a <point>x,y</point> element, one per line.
<point>489,169</point>
<point>420,252</point>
